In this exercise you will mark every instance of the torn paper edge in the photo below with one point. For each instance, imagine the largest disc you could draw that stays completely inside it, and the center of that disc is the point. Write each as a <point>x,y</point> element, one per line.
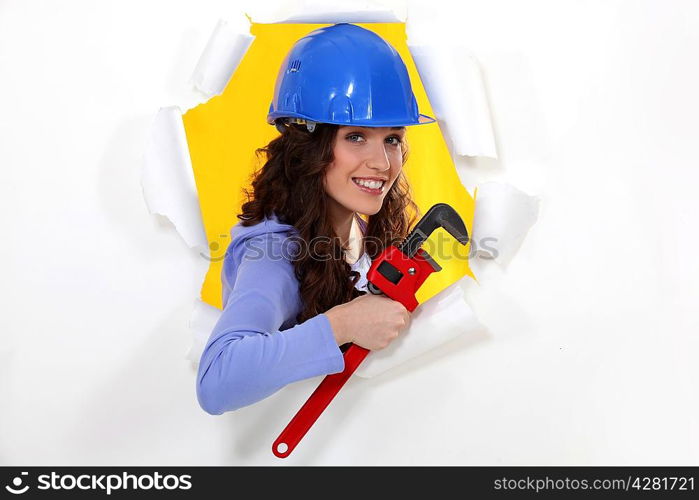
<point>454,84</point>
<point>167,178</point>
<point>435,322</point>
<point>220,58</point>
<point>503,216</point>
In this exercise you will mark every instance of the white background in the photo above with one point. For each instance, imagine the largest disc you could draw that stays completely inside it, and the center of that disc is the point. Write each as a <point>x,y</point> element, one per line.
<point>591,357</point>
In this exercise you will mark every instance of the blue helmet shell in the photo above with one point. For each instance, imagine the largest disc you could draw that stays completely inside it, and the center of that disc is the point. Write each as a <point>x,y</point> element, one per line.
<point>345,75</point>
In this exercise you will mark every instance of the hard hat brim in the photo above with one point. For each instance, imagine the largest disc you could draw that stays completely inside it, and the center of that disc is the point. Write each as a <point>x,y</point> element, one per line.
<point>422,120</point>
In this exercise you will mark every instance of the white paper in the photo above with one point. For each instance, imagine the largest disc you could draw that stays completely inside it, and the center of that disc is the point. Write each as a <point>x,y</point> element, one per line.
<point>224,51</point>
<point>502,218</point>
<point>435,322</point>
<point>322,12</point>
<point>453,82</point>
<point>167,178</point>
<point>201,324</point>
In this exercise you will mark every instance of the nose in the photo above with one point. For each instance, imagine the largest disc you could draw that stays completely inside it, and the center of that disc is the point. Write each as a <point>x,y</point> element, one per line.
<point>377,158</point>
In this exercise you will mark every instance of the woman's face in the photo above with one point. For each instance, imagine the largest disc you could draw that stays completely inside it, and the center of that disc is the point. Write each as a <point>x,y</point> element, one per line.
<point>367,162</point>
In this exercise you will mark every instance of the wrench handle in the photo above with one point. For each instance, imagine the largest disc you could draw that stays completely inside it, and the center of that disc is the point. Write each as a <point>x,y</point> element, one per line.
<point>317,402</point>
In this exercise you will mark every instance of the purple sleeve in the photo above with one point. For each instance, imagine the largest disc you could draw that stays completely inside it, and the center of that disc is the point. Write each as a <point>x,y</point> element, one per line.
<point>247,357</point>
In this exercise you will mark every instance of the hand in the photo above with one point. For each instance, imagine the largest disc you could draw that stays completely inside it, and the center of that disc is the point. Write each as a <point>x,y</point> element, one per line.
<point>370,321</point>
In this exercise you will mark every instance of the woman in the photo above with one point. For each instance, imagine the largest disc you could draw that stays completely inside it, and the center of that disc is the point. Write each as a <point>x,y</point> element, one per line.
<point>295,271</point>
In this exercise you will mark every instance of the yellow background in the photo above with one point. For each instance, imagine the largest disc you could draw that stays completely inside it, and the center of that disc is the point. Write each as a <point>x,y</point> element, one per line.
<point>224,132</point>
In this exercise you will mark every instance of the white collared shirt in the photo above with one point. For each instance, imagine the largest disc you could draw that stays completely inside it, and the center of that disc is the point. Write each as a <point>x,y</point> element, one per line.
<point>362,266</point>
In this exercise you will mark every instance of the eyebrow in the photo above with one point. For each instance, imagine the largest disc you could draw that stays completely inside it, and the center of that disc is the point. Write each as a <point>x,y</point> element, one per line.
<point>397,128</point>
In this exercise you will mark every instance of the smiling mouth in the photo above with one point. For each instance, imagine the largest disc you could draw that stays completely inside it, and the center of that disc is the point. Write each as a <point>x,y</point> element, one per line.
<point>369,186</point>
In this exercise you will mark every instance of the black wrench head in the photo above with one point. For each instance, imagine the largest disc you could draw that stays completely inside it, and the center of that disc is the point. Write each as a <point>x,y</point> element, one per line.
<point>439,215</point>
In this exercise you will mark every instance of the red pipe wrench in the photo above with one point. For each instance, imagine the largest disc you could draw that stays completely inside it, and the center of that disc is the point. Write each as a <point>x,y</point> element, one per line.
<point>398,273</point>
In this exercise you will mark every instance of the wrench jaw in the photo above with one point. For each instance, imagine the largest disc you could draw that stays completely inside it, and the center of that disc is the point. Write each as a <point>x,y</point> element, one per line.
<point>428,258</point>
<point>439,215</point>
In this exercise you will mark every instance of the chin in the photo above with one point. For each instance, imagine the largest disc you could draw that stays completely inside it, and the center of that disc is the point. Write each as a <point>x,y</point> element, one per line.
<point>368,209</point>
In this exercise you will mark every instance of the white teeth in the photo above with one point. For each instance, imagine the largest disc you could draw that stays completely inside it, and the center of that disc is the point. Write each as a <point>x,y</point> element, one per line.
<point>369,184</point>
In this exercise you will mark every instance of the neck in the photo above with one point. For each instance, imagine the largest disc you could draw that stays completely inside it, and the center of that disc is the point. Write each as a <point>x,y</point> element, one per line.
<point>347,229</point>
<point>342,221</point>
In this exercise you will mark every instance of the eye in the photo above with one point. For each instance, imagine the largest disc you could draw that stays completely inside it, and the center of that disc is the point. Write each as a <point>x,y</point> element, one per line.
<point>354,137</point>
<point>394,140</point>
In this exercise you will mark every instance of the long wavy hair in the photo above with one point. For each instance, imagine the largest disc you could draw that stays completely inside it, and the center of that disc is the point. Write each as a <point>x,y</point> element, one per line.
<point>290,185</point>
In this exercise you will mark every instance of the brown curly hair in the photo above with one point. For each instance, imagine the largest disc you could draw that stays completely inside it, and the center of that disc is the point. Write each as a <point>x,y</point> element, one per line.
<point>290,185</point>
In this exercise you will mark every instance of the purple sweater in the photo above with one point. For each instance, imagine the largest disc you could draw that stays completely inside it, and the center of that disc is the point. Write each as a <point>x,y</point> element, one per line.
<point>256,347</point>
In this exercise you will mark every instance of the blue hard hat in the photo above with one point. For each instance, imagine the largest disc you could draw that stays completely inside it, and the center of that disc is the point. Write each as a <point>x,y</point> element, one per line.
<point>345,75</point>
